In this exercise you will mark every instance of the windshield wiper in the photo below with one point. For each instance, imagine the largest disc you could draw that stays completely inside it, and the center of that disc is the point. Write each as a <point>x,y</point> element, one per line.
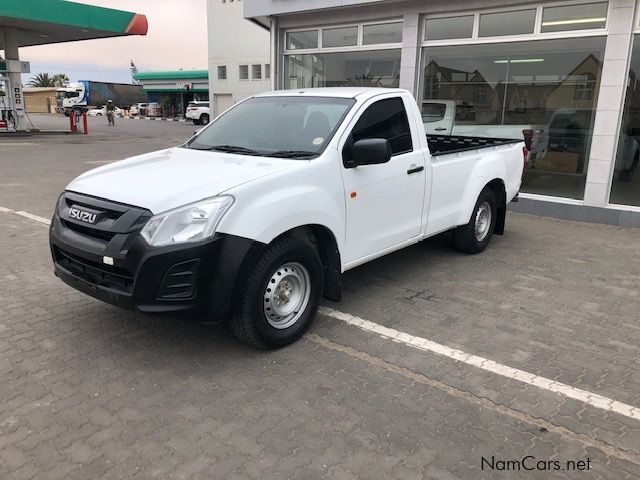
<point>292,154</point>
<point>234,149</point>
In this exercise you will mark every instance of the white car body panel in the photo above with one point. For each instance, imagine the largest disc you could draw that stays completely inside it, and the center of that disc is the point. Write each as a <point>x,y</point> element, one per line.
<point>390,209</point>
<point>167,179</point>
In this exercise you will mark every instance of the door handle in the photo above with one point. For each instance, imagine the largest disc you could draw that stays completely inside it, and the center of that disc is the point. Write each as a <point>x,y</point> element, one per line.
<point>439,129</point>
<point>414,169</point>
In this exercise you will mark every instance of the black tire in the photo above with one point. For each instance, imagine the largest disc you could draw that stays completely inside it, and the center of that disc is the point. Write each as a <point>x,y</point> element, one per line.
<point>196,121</point>
<point>204,119</point>
<point>250,324</point>
<point>465,238</point>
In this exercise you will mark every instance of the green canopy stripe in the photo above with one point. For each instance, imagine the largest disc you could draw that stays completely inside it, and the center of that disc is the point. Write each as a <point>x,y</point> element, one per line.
<point>68,13</point>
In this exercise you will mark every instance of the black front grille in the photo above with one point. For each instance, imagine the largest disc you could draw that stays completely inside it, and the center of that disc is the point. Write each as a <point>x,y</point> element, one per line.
<point>95,273</point>
<point>110,218</point>
<point>88,231</point>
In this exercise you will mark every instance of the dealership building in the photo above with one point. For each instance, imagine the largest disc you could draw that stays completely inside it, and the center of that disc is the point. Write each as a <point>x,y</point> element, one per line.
<point>564,72</point>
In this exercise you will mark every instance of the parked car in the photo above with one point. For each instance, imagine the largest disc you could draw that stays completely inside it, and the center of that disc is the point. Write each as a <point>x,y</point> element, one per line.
<point>198,112</point>
<point>102,112</point>
<point>257,216</point>
<point>138,109</point>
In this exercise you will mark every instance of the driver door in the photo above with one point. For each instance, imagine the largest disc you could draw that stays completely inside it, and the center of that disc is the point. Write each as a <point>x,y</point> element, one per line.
<point>383,202</point>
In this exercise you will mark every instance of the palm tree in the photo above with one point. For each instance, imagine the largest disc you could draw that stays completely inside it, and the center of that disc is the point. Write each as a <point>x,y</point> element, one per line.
<point>41,80</point>
<point>61,80</point>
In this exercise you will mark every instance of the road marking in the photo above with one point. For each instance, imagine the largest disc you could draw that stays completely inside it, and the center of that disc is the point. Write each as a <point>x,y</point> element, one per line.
<point>483,402</point>
<point>5,210</point>
<point>100,162</point>
<point>31,216</point>
<point>17,144</point>
<point>584,396</point>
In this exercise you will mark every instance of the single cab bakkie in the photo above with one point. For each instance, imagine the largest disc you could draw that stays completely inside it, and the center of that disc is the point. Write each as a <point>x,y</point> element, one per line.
<point>258,215</point>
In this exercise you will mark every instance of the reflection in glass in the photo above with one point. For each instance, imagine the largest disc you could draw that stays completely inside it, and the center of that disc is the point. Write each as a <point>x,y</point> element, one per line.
<point>507,23</point>
<point>625,189</point>
<point>340,37</point>
<point>574,17</point>
<point>302,40</point>
<point>549,87</point>
<point>375,68</point>
<point>382,33</point>
<point>446,28</point>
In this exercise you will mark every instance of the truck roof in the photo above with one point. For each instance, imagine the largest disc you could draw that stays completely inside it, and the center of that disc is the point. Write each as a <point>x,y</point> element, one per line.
<point>337,92</point>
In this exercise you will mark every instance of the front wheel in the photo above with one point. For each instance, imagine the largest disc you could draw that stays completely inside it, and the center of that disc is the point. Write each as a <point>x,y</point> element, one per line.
<point>475,236</point>
<point>281,295</point>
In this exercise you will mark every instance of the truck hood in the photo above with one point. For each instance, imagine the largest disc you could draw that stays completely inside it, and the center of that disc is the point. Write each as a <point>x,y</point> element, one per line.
<point>160,181</point>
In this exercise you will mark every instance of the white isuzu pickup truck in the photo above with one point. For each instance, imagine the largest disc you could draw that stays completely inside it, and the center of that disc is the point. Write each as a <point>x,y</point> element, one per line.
<point>256,217</point>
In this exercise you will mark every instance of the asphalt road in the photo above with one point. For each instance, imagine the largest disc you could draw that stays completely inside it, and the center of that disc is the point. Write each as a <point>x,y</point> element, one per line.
<point>523,356</point>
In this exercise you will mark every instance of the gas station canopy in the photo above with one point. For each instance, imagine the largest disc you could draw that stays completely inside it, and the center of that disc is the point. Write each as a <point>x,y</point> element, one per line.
<point>40,22</point>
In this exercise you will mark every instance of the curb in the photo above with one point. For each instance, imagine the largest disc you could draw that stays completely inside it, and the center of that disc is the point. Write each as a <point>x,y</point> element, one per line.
<point>159,118</point>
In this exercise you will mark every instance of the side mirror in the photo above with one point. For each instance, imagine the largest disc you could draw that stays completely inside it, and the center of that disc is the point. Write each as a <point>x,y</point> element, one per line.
<point>370,151</point>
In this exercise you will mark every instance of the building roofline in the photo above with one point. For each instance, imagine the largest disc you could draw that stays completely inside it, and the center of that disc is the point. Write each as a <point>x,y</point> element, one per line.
<point>171,74</point>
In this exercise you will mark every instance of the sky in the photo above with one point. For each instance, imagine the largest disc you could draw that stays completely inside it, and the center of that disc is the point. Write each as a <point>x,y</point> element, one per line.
<point>177,38</point>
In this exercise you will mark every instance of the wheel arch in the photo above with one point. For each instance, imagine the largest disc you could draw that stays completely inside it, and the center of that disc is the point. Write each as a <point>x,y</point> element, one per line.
<point>320,237</point>
<point>326,244</point>
<point>499,190</point>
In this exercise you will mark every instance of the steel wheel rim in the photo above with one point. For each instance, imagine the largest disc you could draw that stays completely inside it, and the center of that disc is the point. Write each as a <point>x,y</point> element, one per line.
<point>483,221</point>
<point>286,295</point>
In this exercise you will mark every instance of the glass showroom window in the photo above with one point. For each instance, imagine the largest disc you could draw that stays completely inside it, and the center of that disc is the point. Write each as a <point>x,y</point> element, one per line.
<point>370,68</point>
<point>625,189</point>
<point>367,55</point>
<point>507,90</point>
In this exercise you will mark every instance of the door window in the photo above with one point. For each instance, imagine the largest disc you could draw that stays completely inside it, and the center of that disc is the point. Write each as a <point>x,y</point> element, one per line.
<point>433,112</point>
<point>385,119</point>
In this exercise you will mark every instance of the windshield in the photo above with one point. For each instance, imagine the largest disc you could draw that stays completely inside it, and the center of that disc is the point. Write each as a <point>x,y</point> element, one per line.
<point>287,127</point>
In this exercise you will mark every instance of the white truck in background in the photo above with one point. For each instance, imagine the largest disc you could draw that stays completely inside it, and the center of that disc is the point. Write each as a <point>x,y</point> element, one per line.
<point>451,117</point>
<point>258,215</point>
<point>87,94</point>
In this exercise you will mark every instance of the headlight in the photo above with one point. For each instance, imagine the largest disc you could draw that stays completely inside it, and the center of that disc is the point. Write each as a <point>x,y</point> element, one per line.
<point>191,223</point>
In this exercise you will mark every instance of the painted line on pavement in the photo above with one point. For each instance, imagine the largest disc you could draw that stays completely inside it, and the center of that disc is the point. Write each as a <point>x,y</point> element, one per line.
<point>31,216</point>
<point>584,396</point>
<point>100,162</point>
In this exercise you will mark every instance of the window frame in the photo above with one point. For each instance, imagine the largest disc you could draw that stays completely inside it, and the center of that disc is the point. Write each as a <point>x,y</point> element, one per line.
<point>240,73</point>
<point>224,68</point>
<point>255,66</point>
<point>359,45</point>
<point>537,30</point>
<point>348,135</point>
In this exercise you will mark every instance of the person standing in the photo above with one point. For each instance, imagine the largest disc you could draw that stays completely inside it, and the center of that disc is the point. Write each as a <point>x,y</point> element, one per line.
<point>111,113</point>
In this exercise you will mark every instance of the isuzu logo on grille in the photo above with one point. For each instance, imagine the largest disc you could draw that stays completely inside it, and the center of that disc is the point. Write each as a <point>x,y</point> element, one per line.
<point>82,215</point>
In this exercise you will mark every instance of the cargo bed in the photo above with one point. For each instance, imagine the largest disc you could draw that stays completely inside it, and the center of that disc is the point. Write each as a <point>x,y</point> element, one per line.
<point>446,144</point>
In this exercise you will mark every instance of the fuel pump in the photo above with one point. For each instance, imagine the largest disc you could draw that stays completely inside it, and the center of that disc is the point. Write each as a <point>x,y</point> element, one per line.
<point>12,111</point>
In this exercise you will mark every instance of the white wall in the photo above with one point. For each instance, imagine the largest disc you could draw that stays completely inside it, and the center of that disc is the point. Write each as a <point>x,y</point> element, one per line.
<point>235,41</point>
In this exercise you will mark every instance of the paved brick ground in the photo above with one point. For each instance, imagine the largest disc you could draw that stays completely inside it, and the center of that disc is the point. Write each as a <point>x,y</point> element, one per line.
<point>90,391</point>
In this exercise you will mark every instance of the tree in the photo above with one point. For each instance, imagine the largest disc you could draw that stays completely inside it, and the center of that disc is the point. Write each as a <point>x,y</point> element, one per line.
<point>134,70</point>
<point>61,80</point>
<point>41,80</point>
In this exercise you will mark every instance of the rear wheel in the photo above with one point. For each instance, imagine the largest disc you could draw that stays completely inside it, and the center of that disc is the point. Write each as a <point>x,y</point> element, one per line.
<point>204,119</point>
<point>196,121</point>
<point>281,295</point>
<point>475,236</point>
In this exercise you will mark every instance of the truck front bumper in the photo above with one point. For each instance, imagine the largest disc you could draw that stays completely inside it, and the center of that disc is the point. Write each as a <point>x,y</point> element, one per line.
<point>198,277</point>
